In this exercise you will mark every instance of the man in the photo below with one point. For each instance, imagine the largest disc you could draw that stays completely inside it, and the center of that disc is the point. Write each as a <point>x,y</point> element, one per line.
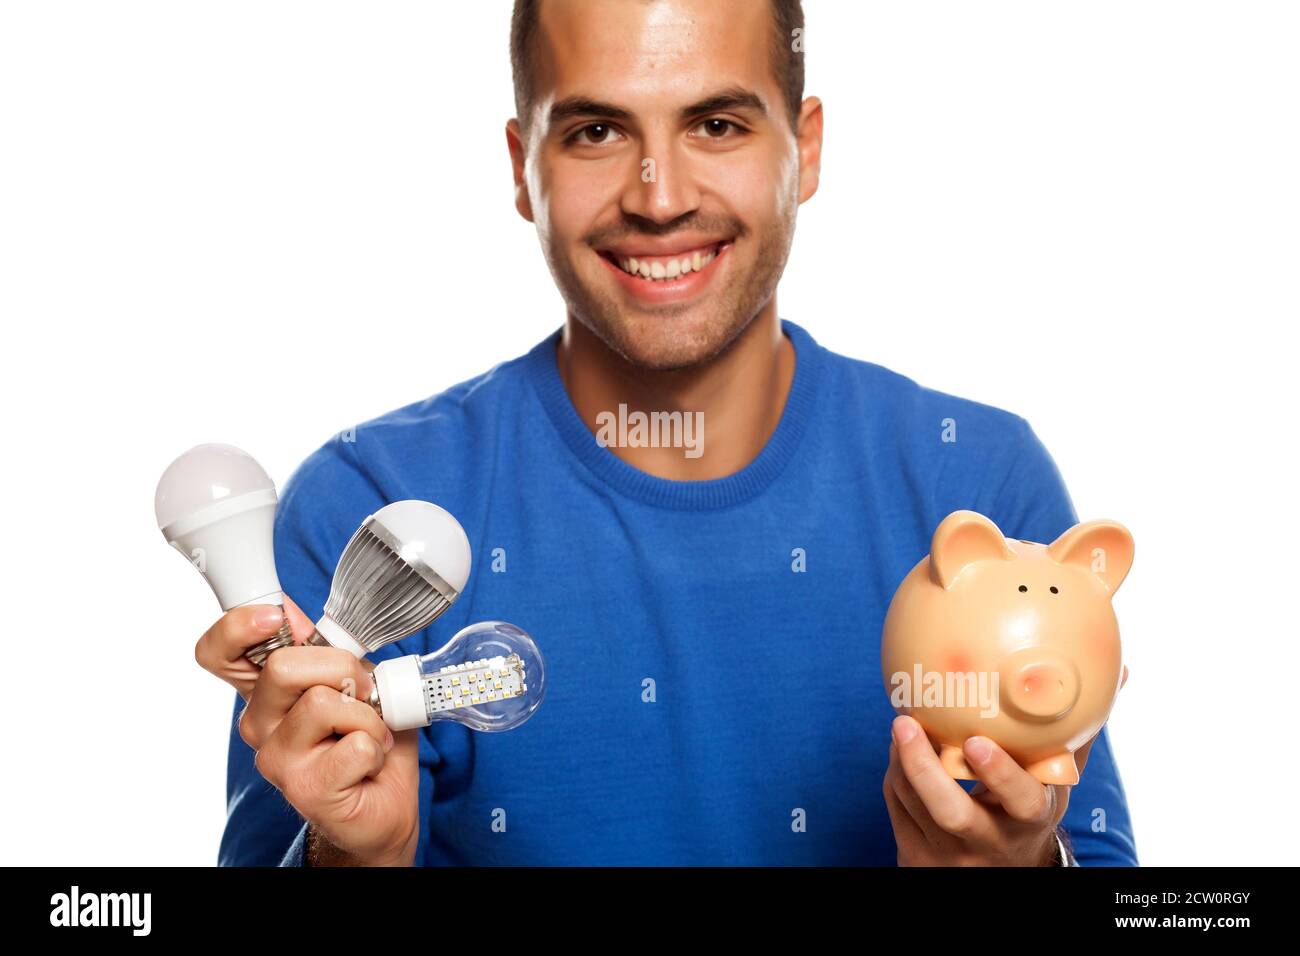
<point>709,605</point>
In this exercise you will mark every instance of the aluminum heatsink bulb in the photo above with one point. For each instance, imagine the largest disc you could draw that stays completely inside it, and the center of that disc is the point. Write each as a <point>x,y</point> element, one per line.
<point>489,677</point>
<point>216,505</point>
<point>404,566</point>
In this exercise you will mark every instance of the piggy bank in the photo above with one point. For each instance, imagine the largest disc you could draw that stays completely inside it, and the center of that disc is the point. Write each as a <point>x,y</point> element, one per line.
<point>1010,640</point>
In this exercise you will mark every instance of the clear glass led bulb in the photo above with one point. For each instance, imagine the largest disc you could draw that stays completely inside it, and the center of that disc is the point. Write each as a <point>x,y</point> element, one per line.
<point>489,677</point>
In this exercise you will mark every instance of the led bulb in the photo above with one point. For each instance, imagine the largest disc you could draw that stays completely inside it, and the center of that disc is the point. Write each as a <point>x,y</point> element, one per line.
<point>404,566</point>
<point>216,505</point>
<point>489,677</point>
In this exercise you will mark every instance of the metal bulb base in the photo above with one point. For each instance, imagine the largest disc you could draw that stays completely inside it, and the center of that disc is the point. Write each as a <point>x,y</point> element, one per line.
<point>282,638</point>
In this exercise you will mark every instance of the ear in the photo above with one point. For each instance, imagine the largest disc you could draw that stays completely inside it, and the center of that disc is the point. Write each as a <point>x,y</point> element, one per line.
<point>963,538</point>
<point>809,138</point>
<point>518,156</point>
<point>1103,547</point>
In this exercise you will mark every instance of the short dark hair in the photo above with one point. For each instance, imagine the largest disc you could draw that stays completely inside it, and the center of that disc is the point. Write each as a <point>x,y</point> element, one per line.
<point>787,17</point>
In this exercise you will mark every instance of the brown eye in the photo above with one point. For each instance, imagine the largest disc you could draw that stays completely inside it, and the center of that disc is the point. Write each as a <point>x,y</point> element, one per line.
<point>717,129</point>
<point>1054,591</point>
<point>594,134</point>
<point>1023,589</point>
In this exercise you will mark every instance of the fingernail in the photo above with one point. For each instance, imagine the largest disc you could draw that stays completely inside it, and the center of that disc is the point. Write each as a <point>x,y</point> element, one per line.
<point>979,750</point>
<point>388,741</point>
<point>269,617</point>
<point>904,730</point>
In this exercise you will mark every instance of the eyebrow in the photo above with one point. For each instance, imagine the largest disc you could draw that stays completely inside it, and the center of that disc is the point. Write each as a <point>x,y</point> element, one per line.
<point>732,98</point>
<point>576,106</point>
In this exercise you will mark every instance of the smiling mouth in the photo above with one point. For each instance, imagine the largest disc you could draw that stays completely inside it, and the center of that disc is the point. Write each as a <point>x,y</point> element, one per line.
<point>666,268</point>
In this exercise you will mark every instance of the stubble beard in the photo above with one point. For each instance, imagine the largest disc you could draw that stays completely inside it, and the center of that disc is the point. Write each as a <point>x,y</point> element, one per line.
<point>677,336</point>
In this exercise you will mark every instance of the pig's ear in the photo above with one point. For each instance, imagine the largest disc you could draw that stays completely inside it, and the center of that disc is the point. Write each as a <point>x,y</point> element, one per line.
<point>961,539</point>
<point>1103,547</point>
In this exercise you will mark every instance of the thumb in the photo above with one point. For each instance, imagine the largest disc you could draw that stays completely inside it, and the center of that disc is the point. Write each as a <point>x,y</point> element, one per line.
<point>350,761</point>
<point>300,623</point>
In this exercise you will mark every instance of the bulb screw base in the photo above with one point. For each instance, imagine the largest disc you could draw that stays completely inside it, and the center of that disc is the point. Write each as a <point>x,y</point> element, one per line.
<point>283,638</point>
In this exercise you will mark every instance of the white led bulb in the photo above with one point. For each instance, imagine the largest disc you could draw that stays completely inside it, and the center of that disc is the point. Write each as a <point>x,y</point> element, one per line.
<point>216,505</point>
<point>405,565</point>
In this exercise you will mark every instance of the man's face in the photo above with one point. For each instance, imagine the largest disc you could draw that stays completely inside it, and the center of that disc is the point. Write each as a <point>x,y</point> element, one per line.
<point>661,170</point>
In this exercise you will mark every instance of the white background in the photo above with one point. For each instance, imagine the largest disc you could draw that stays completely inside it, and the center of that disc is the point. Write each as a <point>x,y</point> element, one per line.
<point>263,222</point>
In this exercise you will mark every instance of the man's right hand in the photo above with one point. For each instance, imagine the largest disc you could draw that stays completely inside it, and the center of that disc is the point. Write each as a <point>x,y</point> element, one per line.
<point>320,744</point>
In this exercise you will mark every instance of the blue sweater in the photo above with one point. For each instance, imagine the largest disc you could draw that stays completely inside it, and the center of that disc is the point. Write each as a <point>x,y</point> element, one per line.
<point>712,647</point>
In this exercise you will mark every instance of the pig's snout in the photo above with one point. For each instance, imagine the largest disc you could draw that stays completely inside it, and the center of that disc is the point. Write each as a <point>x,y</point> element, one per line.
<point>1039,684</point>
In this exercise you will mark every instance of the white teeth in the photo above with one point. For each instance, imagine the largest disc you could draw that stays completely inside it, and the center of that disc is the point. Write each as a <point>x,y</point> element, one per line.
<point>672,269</point>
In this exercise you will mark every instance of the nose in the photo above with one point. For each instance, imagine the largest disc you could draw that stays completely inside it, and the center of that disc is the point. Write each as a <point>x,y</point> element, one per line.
<point>661,187</point>
<point>1039,684</point>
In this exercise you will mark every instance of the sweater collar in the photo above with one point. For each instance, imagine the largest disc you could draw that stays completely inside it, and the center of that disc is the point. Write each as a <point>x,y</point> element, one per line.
<point>714,493</point>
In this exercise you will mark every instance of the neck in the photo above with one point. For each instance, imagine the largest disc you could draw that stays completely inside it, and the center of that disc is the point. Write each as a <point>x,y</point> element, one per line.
<point>736,400</point>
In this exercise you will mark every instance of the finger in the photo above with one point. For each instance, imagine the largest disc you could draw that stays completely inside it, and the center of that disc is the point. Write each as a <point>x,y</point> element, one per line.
<point>288,674</point>
<point>1014,788</point>
<point>220,650</point>
<point>323,713</point>
<point>236,631</point>
<point>300,623</point>
<point>351,760</point>
<point>907,835</point>
<point>907,798</point>
<point>948,805</point>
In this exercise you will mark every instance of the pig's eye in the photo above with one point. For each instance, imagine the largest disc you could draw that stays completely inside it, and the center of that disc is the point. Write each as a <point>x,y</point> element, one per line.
<point>1023,589</point>
<point>1054,591</point>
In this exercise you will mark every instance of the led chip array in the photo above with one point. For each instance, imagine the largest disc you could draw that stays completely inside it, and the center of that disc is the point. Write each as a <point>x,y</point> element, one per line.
<point>474,683</point>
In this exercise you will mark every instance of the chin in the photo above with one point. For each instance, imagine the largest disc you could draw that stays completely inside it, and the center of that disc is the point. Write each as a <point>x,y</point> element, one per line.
<point>668,339</point>
<point>688,338</point>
